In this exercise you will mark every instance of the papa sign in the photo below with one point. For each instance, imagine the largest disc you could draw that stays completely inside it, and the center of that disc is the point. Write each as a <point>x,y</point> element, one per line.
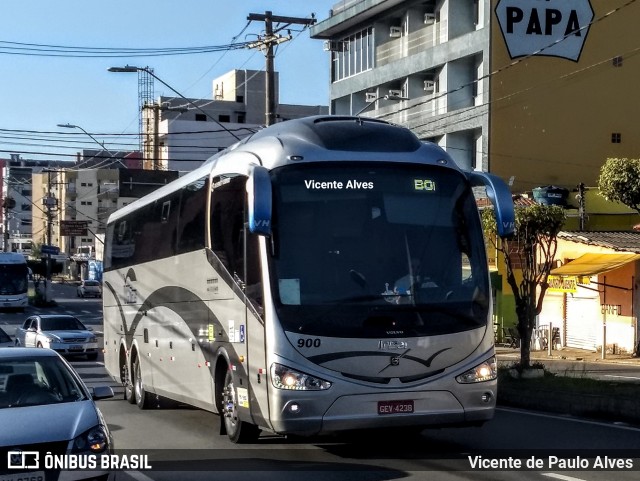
<point>556,28</point>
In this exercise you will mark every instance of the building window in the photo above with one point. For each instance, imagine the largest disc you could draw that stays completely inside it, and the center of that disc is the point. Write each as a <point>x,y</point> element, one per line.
<point>224,118</point>
<point>241,119</point>
<point>240,99</point>
<point>617,61</point>
<point>201,118</point>
<point>616,138</point>
<point>26,207</point>
<point>352,55</point>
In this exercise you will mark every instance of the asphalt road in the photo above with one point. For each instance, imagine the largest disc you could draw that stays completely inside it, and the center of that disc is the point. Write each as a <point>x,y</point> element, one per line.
<point>185,443</point>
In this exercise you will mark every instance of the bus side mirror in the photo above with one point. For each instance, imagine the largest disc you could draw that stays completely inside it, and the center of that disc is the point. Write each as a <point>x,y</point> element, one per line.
<point>259,201</point>
<point>500,196</point>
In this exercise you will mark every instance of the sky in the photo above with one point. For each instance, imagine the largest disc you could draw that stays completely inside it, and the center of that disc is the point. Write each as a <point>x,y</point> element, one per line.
<point>39,92</point>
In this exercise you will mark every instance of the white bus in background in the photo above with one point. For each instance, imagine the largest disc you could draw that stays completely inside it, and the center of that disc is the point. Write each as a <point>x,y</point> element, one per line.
<point>326,274</point>
<point>14,281</point>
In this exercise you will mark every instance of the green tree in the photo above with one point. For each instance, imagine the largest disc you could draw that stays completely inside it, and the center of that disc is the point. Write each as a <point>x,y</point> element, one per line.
<point>528,258</point>
<point>618,182</point>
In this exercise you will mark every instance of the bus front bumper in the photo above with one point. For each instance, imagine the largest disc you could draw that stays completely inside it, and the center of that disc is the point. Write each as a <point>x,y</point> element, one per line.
<point>305,416</point>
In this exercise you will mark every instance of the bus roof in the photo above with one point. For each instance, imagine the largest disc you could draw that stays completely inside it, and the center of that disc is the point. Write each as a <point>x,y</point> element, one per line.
<point>12,258</point>
<point>321,138</point>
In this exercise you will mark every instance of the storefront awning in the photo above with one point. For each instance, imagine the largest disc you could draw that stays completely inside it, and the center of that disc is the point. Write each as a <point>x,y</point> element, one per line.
<point>592,264</point>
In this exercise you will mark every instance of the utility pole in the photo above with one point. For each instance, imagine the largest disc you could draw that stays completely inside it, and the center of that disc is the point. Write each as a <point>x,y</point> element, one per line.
<point>50,203</point>
<point>7,204</point>
<point>266,43</point>
<point>582,214</point>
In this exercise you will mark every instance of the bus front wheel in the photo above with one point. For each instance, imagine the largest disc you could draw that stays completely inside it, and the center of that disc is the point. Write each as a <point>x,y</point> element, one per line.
<point>238,431</point>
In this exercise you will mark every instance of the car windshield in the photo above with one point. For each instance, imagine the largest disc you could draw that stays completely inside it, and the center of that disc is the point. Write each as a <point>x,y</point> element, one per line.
<point>33,382</point>
<point>61,324</point>
<point>91,283</point>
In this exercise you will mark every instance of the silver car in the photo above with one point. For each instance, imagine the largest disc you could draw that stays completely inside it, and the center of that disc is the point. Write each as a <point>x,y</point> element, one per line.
<point>89,288</point>
<point>5,340</point>
<point>46,408</point>
<point>60,332</point>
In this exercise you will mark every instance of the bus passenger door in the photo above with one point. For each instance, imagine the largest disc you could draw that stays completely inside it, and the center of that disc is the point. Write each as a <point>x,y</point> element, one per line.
<point>255,329</point>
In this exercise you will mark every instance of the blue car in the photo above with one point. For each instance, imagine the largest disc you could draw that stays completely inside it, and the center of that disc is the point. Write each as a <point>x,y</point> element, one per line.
<point>46,408</point>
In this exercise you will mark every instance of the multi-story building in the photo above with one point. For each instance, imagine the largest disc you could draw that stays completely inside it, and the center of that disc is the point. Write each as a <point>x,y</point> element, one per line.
<point>86,197</point>
<point>420,64</point>
<point>181,134</point>
<point>541,92</point>
<point>16,177</point>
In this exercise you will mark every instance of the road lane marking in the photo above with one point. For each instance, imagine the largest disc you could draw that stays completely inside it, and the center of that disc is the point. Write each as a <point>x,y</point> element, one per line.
<point>138,476</point>
<point>568,418</point>
<point>561,476</point>
<point>621,377</point>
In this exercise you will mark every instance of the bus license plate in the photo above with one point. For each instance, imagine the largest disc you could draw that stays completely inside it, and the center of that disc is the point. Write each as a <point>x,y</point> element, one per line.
<point>395,407</point>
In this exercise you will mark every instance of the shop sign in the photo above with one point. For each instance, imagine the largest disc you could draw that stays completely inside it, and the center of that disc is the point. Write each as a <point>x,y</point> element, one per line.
<point>556,28</point>
<point>562,284</point>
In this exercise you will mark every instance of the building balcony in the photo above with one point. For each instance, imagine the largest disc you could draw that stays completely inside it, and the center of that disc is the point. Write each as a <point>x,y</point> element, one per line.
<point>108,192</point>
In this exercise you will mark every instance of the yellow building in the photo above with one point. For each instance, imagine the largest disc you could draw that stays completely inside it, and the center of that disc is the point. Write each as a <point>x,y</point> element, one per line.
<point>554,120</point>
<point>596,305</point>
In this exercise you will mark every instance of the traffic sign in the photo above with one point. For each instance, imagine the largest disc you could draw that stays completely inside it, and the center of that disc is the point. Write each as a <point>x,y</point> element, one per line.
<point>74,227</point>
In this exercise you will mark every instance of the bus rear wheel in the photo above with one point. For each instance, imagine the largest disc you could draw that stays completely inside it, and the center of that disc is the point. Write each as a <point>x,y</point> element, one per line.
<point>141,397</point>
<point>237,431</point>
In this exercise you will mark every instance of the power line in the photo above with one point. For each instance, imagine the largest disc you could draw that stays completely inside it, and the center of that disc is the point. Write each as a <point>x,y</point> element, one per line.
<point>44,50</point>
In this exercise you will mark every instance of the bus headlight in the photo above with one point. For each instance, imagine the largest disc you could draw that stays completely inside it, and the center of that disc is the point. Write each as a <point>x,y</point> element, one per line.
<point>487,371</point>
<point>283,377</point>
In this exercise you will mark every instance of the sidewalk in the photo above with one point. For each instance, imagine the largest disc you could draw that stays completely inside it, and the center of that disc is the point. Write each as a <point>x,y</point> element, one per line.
<point>566,353</point>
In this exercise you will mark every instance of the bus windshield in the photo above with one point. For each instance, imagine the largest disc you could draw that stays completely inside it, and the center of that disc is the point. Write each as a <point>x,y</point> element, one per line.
<point>13,279</point>
<point>363,250</point>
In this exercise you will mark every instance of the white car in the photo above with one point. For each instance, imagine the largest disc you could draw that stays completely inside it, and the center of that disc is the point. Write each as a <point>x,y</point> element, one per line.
<point>89,288</point>
<point>60,332</point>
<point>46,409</point>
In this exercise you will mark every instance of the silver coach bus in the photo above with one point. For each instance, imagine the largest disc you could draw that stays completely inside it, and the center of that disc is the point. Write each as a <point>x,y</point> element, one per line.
<point>325,274</point>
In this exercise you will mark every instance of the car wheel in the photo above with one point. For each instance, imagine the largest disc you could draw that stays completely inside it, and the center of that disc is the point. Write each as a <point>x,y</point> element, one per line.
<point>238,431</point>
<point>141,396</point>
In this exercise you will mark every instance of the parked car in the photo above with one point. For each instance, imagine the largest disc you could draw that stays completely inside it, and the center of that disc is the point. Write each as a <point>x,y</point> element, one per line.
<point>60,332</point>
<point>5,340</point>
<point>46,408</point>
<point>89,288</point>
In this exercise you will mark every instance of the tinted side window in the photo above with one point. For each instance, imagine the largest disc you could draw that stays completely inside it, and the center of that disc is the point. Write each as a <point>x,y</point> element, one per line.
<point>193,205</point>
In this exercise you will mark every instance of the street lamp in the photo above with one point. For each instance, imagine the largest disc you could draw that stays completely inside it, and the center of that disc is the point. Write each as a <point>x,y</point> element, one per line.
<point>380,97</point>
<point>131,69</point>
<point>101,144</point>
<point>71,126</point>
